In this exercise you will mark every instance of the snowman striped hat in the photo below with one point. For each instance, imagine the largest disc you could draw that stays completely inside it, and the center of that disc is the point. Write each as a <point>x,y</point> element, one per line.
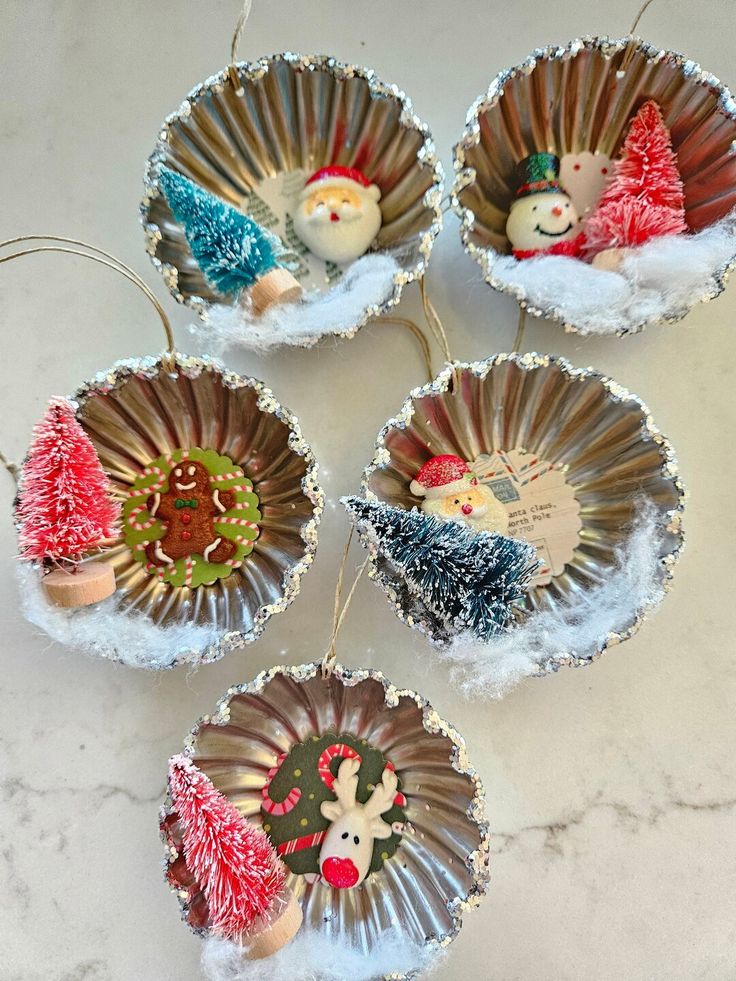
<point>442,475</point>
<point>539,173</point>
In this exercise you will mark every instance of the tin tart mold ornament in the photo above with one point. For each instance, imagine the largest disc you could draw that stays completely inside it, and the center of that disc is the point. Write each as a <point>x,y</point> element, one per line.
<point>597,85</point>
<point>331,127</point>
<point>201,604</point>
<point>219,504</point>
<point>295,736</point>
<point>583,474</point>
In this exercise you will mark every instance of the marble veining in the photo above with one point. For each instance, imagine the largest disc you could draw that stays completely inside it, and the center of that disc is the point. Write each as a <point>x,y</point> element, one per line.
<point>611,789</point>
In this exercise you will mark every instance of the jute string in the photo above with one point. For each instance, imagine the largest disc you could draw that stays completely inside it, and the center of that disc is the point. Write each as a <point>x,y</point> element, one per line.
<point>239,28</point>
<point>631,47</point>
<point>94,254</point>
<point>521,324</point>
<point>340,612</point>
<point>12,468</point>
<point>235,43</point>
<point>639,15</point>
<point>418,335</point>
<point>435,324</point>
<point>338,615</point>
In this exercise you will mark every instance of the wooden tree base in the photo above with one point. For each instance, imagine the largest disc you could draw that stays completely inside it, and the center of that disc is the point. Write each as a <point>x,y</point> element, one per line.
<point>278,933</point>
<point>277,286</point>
<point>610,260</point>
<point>91,583</point>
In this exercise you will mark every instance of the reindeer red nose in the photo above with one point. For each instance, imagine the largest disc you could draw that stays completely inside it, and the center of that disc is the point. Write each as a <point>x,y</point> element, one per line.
<point>340,872</point>
<point>335,217</point>
<point>557,211</point>
<point>467,509</point>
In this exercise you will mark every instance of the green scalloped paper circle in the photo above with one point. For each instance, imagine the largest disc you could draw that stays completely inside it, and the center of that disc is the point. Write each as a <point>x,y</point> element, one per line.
<point>299,770</point>
<point>203,573</point>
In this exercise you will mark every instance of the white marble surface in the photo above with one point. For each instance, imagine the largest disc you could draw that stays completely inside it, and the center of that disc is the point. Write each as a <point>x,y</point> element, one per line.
<point>610,789</point>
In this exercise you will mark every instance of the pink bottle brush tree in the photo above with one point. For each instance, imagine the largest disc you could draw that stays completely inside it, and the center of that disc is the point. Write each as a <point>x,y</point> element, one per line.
<point>645,199</point>
<point>234,864</point>
<point>65,510</point>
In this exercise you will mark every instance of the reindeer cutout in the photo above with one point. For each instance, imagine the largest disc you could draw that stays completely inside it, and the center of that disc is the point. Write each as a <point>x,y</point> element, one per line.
<point>345,856</point>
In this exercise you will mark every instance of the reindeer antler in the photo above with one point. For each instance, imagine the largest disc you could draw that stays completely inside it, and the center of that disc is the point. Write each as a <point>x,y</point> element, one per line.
<point>382,798</point>
<point>345,788</point>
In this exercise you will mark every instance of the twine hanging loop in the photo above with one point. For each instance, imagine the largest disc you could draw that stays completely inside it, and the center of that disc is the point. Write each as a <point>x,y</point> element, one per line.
<point>94,254</point>
<point>338,615</point>
<point>235,43</point>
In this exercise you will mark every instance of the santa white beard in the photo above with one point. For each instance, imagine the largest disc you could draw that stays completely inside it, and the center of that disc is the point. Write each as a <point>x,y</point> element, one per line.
<point>341,241</point>
<point>492,516</point>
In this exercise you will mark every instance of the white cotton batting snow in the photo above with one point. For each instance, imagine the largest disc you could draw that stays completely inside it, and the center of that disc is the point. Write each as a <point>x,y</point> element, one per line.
<point>660,280</point>
<point>365,286</point>
<point>491,669</point>
<point>103,630</point>
<point>315,956</point>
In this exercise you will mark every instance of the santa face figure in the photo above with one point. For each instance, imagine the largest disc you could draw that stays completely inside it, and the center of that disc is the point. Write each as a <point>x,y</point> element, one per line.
<point>338,216</point>
<point>540,221</point>
<point>453,493</point>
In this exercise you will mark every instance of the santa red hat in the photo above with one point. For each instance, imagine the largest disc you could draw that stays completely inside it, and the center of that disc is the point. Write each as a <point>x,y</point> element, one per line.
<point>337,176</point>
<point>441,476</point>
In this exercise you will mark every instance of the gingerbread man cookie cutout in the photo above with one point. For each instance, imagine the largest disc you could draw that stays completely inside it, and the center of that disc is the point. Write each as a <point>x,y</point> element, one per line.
<point>191,517</point>
<point>188,509</point>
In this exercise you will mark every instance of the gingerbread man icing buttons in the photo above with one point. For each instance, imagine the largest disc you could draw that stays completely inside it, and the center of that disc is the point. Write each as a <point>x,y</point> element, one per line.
<point>191,517</point>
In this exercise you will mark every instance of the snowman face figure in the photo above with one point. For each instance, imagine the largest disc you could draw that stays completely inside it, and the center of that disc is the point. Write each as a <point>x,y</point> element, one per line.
<point>538,221</point>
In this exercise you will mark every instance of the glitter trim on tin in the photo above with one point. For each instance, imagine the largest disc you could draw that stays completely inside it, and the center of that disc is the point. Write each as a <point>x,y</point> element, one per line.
<point>414,212</point>
<point>470,408</point>
<point>185,400</point>
<point>292,704</point>
<point>650,70</point>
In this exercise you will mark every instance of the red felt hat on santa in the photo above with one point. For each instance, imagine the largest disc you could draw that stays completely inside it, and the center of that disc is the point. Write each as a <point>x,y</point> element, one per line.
<point>441,476</point>
<point>342,177</point>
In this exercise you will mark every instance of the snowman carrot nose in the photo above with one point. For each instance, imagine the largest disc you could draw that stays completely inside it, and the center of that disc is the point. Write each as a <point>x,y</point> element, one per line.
<point>557,211</point>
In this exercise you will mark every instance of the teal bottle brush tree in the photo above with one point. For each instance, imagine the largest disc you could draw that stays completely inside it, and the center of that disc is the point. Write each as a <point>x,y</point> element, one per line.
<point>235,254</point>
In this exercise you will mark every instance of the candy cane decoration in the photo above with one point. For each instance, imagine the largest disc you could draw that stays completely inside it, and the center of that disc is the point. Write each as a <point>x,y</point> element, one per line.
<point>145,491</point>
<point>299,844</point>
<point>240,522</point>
<point>140,525</point>
<point>346,753</point>
<point>399,798</point>
<point>333,751</point>
<point>157,570</point>
<point>278,808</point>
<point>220,477</point>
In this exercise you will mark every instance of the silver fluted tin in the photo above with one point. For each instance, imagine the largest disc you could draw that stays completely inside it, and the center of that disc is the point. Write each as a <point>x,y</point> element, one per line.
<point>570,99</point>
<point>142,408</point>
<point>293,112</point>
<point>440,868</point>
<point>604,437</point>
